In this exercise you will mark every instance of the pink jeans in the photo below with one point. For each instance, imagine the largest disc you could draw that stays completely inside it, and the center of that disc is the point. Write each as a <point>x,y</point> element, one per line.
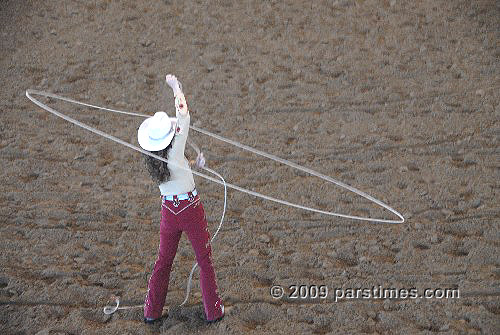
<point>178,216</point>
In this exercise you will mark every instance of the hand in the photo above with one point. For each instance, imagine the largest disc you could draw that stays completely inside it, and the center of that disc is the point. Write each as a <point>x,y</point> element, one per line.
<point>174,84</point>
<point>200,160</point>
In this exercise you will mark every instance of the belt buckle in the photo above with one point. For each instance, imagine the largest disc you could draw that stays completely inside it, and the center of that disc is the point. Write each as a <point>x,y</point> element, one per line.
<point>176,201</point>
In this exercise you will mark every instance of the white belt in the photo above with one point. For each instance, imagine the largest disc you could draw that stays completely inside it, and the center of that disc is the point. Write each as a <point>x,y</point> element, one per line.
<point>184,196</point>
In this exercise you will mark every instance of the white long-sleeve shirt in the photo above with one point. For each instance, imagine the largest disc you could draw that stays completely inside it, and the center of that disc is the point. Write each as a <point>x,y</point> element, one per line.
<point>181,178</point>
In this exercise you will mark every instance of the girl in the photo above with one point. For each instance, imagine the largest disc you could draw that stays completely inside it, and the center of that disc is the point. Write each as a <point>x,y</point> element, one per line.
<point>181,210</point>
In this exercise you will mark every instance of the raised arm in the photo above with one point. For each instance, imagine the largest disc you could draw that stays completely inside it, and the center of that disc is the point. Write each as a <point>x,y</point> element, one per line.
<point>180,101</point>
<point>183,119</point>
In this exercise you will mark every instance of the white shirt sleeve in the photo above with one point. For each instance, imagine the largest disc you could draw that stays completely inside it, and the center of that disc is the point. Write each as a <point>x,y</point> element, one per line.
<point>180,138</point>
<point>181,178</point>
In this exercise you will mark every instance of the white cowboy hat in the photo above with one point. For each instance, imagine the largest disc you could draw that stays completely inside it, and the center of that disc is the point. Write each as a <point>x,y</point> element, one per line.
<point>156,132</point>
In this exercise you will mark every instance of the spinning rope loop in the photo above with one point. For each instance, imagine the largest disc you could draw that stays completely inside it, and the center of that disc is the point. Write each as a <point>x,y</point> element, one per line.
<point>111,309</point>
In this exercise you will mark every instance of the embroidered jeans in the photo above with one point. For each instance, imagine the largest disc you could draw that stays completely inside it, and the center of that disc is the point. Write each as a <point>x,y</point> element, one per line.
<point>178,216</point>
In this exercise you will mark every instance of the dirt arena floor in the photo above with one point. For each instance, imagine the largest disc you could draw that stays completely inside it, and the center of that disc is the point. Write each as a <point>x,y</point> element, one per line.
<point>397,98</point>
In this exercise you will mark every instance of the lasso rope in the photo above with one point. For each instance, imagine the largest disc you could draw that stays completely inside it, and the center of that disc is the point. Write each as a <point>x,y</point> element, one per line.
<point>111,309</point>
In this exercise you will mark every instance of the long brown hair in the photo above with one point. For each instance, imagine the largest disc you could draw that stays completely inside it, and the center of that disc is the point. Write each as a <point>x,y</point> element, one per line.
<point>158,170</point>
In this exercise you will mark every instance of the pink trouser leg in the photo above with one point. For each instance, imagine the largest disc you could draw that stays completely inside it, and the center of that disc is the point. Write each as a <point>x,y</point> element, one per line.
<point>158,282</point>
<point>199,237</point>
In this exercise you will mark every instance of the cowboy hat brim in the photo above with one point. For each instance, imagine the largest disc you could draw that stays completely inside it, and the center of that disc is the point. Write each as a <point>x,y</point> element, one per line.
<point>147,143</point>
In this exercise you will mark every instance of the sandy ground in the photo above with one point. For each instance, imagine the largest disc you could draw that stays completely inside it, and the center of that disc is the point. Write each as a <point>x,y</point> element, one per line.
<point>397,98</point>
